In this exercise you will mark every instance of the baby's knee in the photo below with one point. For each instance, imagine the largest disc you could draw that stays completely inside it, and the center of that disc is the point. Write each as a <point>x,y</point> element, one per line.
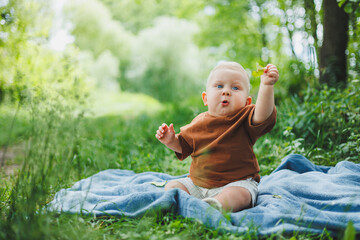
<point>239,194</point>
<point>170,185</point>
<point>175,184</point>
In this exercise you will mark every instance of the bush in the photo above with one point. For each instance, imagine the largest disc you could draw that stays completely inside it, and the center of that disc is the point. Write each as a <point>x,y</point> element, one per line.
<point>324,124</point>
<point>95,30</point>
<point>166,64</point>
<point>29,68</point>
<point>102,72</point>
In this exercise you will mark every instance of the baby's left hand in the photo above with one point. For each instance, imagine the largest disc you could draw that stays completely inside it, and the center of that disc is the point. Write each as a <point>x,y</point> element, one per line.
<point>270,76</point>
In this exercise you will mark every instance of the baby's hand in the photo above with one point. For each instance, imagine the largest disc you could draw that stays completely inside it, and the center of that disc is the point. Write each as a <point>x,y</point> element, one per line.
<point>165,134</point>
<point>270,76</point>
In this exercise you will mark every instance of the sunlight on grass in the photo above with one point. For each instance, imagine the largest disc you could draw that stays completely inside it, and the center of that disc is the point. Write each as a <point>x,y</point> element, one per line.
<point>104,102</point>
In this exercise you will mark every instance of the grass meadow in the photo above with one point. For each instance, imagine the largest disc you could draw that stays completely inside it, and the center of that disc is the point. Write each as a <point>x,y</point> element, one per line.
<point>49,145</point>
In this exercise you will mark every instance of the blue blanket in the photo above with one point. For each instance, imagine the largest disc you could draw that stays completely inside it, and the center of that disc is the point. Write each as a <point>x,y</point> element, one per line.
<point>297,197</point>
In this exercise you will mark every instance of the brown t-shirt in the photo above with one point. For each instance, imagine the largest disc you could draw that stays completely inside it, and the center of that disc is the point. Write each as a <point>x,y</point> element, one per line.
<point>222,147</point>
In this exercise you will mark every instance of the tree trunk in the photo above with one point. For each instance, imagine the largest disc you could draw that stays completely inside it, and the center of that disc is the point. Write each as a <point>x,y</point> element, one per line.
<point>333,60</point>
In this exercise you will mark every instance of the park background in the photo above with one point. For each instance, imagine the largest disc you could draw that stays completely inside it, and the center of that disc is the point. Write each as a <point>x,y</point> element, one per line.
<point>85,84</point>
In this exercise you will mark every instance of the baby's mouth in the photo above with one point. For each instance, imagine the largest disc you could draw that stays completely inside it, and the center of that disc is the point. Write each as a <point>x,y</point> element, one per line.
<point>224,103</point>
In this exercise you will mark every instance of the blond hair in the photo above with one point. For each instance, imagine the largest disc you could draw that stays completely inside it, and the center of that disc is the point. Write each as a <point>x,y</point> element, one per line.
<point>233,66</point>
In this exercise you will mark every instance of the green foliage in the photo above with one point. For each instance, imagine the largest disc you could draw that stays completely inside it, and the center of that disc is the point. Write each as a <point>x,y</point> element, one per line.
<point>324,123</point>
<point>16,122</point>
<point>294,78</point>
<point>96,31</point>
<point>19,23</point>
<point>161,60</point>
<point>140,14</point>
<point>247,32</point>
<point>62,148</point>
<point>353,9</point>
<point>102,72</point>
<point>230,30</point>
<point>128,12</point>
<point>30,69</point>
<point>48,158</point>
<point>105,43</point>
<point>166,64</point>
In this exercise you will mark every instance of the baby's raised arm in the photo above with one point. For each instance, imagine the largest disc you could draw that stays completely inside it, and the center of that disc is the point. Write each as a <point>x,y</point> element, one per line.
<point>265,100</point>
<point>166,135</point>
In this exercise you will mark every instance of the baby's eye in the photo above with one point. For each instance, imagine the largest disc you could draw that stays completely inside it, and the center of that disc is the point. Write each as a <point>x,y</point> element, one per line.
<point>219,86</point>
<point>235,88</point>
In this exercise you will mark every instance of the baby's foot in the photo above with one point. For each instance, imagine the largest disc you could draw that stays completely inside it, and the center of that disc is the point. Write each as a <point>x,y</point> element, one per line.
<point>214,203</point>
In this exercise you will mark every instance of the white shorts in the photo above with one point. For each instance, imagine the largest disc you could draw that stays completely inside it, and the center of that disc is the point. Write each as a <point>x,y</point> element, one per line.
<point>199,192</point>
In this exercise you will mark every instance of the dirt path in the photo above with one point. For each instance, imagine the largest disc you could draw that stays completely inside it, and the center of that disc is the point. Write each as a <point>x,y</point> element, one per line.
<point>9,165</point>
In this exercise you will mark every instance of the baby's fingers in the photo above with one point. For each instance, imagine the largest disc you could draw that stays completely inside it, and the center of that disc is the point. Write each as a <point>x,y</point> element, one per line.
<point>161,131</point>
<point>270,67</point>
<point>171,128</point>
<point>163,128</point>
<point>159,135</point>
<point>273,73</point>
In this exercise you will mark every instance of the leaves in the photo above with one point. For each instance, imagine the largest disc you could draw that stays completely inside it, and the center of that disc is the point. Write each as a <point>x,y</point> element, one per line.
<point>341,2</point>
<point>158,184</point>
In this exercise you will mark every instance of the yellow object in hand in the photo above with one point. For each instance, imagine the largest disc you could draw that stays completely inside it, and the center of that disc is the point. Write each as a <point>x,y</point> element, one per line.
<point>259,70</point>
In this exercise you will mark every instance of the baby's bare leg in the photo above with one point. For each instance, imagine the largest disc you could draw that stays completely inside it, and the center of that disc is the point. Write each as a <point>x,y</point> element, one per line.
<point>234,199</point>
<point>175,184</point>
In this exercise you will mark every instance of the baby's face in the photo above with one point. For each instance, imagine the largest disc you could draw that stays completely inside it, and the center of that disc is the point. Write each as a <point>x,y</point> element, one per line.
<point>226,93</point>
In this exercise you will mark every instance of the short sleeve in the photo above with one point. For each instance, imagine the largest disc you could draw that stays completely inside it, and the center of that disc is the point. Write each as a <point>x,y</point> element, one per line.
<point>185,148</point>
<point>186,137</point>
<point>258,130</point>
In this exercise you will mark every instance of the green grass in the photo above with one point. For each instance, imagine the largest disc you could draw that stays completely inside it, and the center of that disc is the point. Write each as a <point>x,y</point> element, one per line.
<point>59,148</point>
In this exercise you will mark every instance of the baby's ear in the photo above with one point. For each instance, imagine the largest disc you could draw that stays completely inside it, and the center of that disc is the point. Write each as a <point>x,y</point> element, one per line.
<point>204,98</point>
<point>248,101</point>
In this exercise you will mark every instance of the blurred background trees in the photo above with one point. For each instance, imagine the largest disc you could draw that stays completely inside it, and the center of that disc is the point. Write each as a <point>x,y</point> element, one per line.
<point>29,68</point>
<point>165,48</point>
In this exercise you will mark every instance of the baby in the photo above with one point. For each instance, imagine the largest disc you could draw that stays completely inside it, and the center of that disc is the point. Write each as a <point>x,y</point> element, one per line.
<point>224,171</point>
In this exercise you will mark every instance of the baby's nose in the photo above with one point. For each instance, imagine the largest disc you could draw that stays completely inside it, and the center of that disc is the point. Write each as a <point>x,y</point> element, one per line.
<point>226,93</point>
